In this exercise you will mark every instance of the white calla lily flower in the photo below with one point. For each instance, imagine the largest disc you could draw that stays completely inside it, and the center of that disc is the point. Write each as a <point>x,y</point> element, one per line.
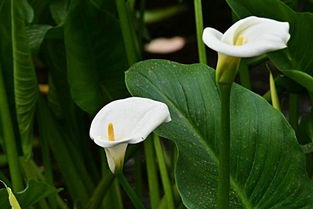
<point>249,37</point>
<point>123,122</point>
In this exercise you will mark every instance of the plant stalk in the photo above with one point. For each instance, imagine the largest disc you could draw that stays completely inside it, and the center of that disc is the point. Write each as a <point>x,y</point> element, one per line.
<point>164,175</point>
<point>199,28</point>
<point>127,31</point>
<point>9,139</point>
<point>129,190</point>
<point>154,191</point>
<point>223,183</point>
<point>244,74</point>
<point>100,191</point>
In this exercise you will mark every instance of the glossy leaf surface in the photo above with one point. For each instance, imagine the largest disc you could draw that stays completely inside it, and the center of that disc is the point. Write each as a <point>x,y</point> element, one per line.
<point>267,164</point>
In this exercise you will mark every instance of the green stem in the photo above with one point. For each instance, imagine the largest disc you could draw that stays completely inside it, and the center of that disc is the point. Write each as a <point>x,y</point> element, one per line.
<point>293,110</point>
<point>141,20</point>
<point>199,27</point>
<point>274,95</point>
<point>129,190</point>
<point>100,191</point>
<point>127,31</point>
<point>154,191</point>
<point>164,175</point>
<point>223,184</point>
<point>46,159</point>
<point>9,139</point>
<point>138,174</point>
<point>244,74</point>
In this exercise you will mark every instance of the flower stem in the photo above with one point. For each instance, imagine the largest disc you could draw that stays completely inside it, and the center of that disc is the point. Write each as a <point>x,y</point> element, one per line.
<point>199,27</point>
<point>274,95</point>
<point>100,190</point>
<point>129,190</point>
<point>138,174</point>
<point>223,186</point>
<point>244,74</point>
<point>9,140</point>
<point>127,31</point>
<point>154,191</point>
<point>164,175</point>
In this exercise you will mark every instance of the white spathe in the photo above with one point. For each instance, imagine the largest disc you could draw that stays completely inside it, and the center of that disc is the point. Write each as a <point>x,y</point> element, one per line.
<point>132,119</point>
<point>259,36</point>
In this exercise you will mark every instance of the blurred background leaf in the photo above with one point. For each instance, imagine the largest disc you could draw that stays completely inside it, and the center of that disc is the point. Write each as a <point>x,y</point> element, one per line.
<point>95,56</point>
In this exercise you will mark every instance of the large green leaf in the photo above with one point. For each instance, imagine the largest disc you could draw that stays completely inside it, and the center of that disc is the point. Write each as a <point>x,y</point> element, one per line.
<point>95,56</point>
<point>302,78</point>
<point>298,55</point>
<point>25,82</point>
<point>34,192</point>
<point>6,61</point>
<point>267,164</point>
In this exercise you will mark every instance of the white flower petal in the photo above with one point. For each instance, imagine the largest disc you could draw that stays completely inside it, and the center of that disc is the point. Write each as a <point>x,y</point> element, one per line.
<point>115,156</point>
<point>133,120</point>
<point>261,35</point>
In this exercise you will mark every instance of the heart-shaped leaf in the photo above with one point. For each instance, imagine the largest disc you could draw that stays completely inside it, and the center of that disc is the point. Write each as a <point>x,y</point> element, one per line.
<point>267,164</point>
<point>95,56</point>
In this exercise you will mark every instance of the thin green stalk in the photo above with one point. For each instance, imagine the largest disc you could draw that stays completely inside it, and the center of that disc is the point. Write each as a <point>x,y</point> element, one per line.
<point>100,191</point>
<point>274,95</point>
<point>138,174</point>
<point>199,27</point>
<point>244,74</point>
<point>293,110</point>
<point>46,159</point>
<point>9,139</point>
<point>223,183</point>
<point>127,31</point>
<point>164,175</point>
<point>129,190</point>
<point>163,202</point>
<point>153,182</point>
<point>141,20</point>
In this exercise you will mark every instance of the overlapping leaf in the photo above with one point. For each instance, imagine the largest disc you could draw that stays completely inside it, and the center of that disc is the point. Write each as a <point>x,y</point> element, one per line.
<point>95,56</point>
<point>267,164</point>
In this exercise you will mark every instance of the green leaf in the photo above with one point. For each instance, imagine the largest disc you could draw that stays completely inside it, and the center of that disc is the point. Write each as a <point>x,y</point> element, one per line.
<point>95,56</point>
<point>25,82</point>
<point>267,164</point>
<point>34,192</point>
<point>36,35</point>
<point>302,78</point>
<point>59,10</point>
<point>298,55</point>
